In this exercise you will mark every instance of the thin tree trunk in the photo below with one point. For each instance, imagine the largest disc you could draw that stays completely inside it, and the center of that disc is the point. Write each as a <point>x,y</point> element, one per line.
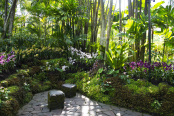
<point>6,8</point>
<point>137,41</point>
<point>102,35</point>
<point>130,8</point>
<point>133,8</point>
<point>106,16</point>
<point>73,26</point>
<point>90,7</point>
<point>140,7</point>
<point>86,26</point>
<point>109,28</point>
<point>5,18</point>
<point>12,18</point>
<point>143,41</point>
<point>120,22</point>
<point>52,28</point>
<point>130,15</point>
<point>45,28</point>
<point>9,17</point>
<point>92,26</point>
<point>96,24</point>
<point>113,18</point>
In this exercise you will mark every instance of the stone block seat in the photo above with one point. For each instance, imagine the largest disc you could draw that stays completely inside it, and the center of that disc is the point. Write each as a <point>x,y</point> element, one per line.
<point>56,99</point>
<point>69,90</point>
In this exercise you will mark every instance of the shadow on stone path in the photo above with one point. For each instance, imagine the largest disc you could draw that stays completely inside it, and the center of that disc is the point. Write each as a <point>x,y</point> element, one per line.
<point>79,105</point>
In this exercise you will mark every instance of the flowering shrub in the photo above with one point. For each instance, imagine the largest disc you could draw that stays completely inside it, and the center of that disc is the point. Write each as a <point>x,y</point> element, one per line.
<point>6,61</point>
<point>3,94</point>
<point>158,70</point>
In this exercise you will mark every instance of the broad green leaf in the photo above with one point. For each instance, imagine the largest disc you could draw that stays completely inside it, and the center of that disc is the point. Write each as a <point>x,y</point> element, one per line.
<point>100,70</point>
<point>157,5</point>
<point>117,71</point>
<point>111,71</point>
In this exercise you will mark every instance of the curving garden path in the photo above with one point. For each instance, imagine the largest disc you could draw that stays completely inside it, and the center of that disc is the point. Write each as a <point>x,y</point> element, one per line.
<point>79,105</point>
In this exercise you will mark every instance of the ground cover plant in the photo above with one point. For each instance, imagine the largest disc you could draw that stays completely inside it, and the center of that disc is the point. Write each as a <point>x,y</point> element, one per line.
<point>58,42</point>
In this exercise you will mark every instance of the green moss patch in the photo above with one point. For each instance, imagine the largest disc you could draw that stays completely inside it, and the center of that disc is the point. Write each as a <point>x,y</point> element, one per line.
<point>169,95</point>
<point>24,72</point>
<point>4,83</point>
<point>28,97</point>
<point>35,86</point>
<point>163,87</point>
<point>9,107</point>
<point>13,89</point>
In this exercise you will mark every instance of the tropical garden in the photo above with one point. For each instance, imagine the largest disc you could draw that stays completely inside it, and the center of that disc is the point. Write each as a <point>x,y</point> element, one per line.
<point>94,44</point>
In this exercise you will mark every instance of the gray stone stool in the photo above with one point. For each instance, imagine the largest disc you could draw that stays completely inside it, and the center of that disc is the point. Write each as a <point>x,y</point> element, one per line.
<point>56,99</point>
<point>69,90</point>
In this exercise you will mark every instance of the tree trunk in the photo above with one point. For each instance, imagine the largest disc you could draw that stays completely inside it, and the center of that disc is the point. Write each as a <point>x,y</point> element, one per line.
<point>6,8</point>
<point>109,28</point>
<point>140,7</point>
<point>130,8</point>
<point>106,16</point>
<point>11,12</point>
<point>102,35</point>
<point>12,18</point>
<point>137,41</point>
<point>120,22</point>
<point>5,18</point>
<point>86,26</point>
<point>143,41</point>
<point>130,15</point>
<point>96,24</point>
<point>92,26</point>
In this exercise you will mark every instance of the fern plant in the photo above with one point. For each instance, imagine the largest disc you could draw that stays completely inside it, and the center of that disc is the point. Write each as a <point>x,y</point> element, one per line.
<point>117,55</point>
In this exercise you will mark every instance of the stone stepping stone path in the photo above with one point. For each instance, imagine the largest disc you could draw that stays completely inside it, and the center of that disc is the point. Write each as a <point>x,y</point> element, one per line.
<point>79,105</point>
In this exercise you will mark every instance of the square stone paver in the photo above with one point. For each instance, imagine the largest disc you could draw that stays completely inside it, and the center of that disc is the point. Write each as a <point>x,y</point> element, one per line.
<point>101,114</point>
<point>45,109</point>
<point>110,113</point>
<point>35,112</point>
<point>37,108</point>
<point>91,103</point>
<point>115,108</point>
<point>72,103</point>
<point>20,111</point>
<point>74,114</point>
<point>128,111</point>
<point>90,113</point>
<point>32,102</point>
<point>106,107</point>
<point>120,113</point>
<point>26,106</point>
<point>25,113</point>
<point>146,115</point>
<point>123,109</point>
<point>28,110</point>
<point>45,114</point>
<point>102,110</point>
<point>81,103</point>
<point>56,111</point>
